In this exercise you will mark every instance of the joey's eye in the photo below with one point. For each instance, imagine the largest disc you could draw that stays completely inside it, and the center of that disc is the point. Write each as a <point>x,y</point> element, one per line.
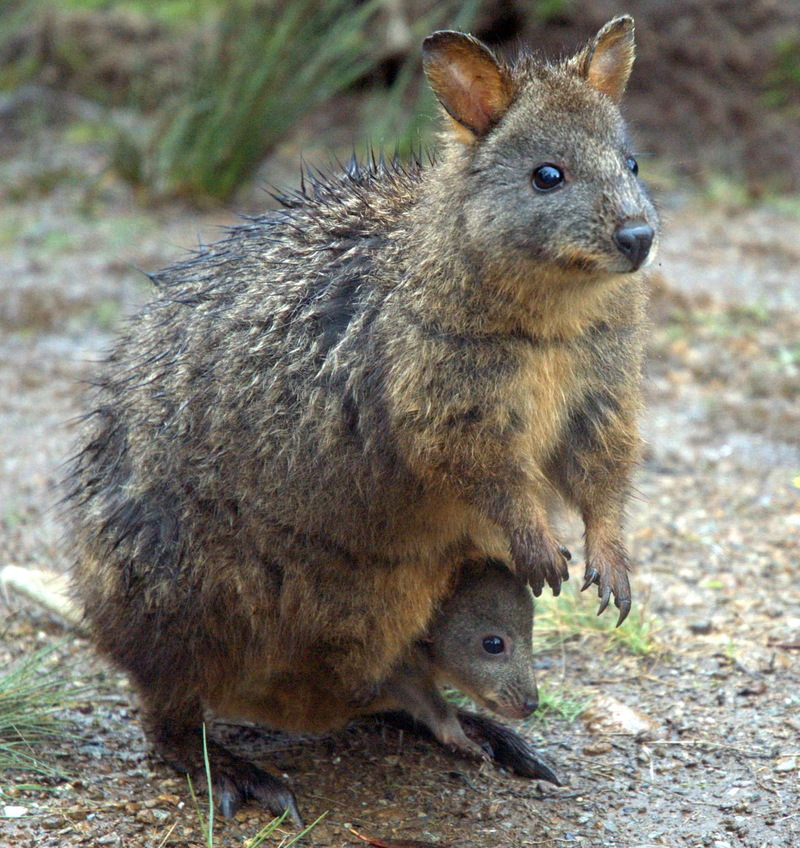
<point>633,165</point>
<point>547,177</point>
<point>493,645</point>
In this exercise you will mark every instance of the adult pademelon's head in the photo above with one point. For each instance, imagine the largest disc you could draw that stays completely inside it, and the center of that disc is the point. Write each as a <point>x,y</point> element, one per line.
<point>548,174</point>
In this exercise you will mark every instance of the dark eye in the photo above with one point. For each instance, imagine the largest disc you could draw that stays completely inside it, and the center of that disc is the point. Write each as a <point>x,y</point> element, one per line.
<point>633,165</point>
<point>547,177</point>
<point>493,645</point>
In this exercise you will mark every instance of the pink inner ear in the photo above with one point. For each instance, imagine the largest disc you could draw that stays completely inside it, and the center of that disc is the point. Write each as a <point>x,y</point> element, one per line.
<point>473,99</point>
<point>460,76</point>
<point>468,82</point>
<point>483,97</point>
<point>610,64</point>
<point>603,72</point>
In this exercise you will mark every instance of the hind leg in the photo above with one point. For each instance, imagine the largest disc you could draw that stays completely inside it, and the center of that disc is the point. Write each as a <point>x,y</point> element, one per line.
<point>491,740</point>
<point>506,747</point>
<point>177,737</point>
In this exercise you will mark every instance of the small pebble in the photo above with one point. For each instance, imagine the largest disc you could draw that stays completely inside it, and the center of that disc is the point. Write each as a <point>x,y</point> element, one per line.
<point>14,812</point>
<point>596,748</point>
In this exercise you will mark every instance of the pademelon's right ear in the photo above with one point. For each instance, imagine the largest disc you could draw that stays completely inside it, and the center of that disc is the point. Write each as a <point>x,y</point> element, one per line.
<point>472,86</point>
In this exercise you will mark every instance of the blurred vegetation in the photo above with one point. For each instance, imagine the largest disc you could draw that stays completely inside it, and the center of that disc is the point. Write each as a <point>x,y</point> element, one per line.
<point>548,10</point>
<point>204,105</point>
<point>265,67</point>
<point>400,117</point>
<point>33,693</point>
<point>783,83</point>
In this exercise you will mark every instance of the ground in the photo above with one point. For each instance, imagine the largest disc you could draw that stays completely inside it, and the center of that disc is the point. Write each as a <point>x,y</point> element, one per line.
<point>714,529</point>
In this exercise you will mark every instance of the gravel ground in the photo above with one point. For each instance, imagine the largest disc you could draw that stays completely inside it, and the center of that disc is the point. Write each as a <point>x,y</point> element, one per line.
<point>715,530</point>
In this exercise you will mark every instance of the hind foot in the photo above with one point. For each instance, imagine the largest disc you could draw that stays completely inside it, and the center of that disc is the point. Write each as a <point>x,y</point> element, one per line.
<point>506,747</point>
<point>234,780</point>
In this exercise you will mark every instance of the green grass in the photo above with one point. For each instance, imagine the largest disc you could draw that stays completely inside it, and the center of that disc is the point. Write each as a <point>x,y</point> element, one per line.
<point>265,68</point>
<point>553,703</point>
<point>33,694</point>
<point>547,10</point>
<point>172,12</point>
<point>783,82</point>
<point>573,615</point>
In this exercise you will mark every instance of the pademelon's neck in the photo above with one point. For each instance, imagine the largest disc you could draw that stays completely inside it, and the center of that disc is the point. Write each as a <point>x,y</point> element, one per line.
<point>553,303</point>
<point>471,293</point>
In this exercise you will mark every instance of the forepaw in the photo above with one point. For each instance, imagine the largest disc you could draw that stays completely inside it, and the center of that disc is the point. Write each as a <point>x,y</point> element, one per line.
<point>610,582</point>
<point>459,743</point>
<point>539,559</point>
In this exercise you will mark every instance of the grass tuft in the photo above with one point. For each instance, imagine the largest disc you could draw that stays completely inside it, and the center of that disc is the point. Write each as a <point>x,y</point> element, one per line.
<point>33,694</point>
<point>573,616</point>
<point>553,703</point>
<point>266,65</point>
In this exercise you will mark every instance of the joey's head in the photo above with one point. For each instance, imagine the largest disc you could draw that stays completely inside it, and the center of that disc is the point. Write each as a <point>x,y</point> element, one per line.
<point>480,640</point>
<point>542,171</point>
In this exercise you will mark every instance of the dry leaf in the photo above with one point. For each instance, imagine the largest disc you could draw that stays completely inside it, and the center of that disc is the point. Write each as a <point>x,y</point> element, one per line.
<point>395,843</point>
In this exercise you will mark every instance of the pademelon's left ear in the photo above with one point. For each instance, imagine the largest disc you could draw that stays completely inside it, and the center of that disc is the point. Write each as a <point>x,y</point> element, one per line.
<point>606,63</point>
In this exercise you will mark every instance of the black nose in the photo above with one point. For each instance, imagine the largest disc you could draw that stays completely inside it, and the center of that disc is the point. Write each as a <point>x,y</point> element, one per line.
<point>529,705</point>
<point>634,242</point>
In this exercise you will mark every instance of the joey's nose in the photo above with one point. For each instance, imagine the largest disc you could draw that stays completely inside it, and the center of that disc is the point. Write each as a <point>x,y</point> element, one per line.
<point>529,705</point>
<point>634,242</point>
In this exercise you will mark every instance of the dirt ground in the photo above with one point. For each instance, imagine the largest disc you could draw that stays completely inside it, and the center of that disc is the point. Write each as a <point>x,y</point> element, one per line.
<point>715,531</point>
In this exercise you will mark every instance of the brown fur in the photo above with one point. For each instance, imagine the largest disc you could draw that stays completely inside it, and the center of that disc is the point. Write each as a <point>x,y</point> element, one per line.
<point>323,414</point>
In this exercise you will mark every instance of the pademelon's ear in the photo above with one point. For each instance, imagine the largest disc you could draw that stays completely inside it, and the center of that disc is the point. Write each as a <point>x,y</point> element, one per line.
<point>472,86</point>
<point>607,61</point>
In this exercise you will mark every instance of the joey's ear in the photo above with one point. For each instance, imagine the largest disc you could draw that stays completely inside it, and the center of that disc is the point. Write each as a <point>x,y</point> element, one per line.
<point>608,60</point>
<point>469,82</point>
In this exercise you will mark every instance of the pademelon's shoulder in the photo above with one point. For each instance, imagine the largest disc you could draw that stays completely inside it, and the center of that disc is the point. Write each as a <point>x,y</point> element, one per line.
<point>363,194</point>
<point>352,208</point>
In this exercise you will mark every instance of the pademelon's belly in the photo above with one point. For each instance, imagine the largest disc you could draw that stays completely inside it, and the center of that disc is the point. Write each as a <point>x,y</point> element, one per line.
<point>292,703</point>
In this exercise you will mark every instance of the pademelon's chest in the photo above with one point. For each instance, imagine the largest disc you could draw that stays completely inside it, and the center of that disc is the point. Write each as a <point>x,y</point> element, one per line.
<point>546,386</point>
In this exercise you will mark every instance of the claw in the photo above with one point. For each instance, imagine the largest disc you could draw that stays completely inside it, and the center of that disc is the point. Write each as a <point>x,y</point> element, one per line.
<point>537,585</point>
<point>229,803</point>
<point>605,597</point>
<point>565,552</point>
<point>624,605</point>
<point>592,575</point>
